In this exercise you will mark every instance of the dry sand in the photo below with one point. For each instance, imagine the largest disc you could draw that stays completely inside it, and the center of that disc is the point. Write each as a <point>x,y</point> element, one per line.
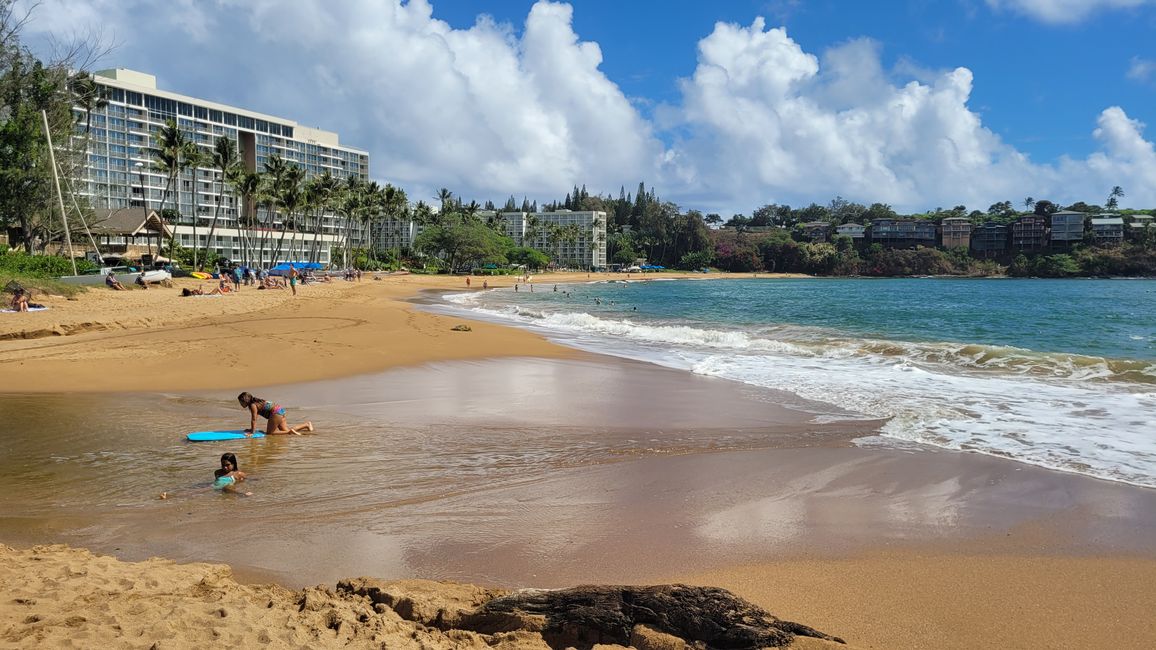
<point>55,596</point>
<point>114,341</point>
<point>941,597</point>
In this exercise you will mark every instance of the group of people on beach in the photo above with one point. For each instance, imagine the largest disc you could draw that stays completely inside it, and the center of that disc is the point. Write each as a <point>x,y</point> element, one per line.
<point>112,282</point>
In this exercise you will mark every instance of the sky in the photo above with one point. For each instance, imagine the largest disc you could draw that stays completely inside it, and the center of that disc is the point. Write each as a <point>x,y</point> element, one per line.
<point>719,106</point>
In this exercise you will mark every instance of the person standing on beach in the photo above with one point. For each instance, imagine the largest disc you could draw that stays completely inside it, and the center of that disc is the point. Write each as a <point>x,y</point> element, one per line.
<point>274,413</point>
<point>293,278</point>
<point>467,282</point>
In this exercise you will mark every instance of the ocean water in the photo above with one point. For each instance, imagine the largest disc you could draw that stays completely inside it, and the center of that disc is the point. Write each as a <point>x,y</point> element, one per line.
<point>1055,373</point>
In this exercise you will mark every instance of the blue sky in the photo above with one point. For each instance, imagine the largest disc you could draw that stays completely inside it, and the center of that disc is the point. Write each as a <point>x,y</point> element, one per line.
<point>720,106</point>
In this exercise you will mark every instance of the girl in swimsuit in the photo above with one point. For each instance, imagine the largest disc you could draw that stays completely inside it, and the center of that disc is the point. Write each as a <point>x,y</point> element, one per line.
<point>227,478</point>
<point>274,413</point>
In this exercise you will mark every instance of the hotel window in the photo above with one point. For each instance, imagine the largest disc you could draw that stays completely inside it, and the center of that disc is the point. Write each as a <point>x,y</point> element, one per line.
<point>245,122</point>
<point>200,112</point>
<point>136,99</point>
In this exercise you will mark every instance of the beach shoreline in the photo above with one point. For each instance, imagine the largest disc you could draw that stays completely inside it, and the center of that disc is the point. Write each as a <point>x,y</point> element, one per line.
<point>157,340</point>
<point>888,548</point>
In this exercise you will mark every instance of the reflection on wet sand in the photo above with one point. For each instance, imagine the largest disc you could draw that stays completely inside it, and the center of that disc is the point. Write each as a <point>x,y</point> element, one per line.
<point>511,472</point>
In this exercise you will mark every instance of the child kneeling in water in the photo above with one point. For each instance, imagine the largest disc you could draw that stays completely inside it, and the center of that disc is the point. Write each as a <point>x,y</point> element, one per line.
<point>275,413</point>
<point>227,478</point>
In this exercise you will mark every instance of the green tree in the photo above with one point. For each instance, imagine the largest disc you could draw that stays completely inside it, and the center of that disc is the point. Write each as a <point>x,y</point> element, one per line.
<point>463,243</point>
<point>531,257</point>
<point>1045,207</point>
<point>27,87</point>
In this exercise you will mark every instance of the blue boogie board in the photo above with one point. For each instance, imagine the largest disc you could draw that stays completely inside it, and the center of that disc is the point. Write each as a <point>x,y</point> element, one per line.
<point>213,436</point>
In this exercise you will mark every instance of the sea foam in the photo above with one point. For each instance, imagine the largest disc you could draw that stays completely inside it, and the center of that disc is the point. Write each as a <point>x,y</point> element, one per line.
<point>1068,412</point>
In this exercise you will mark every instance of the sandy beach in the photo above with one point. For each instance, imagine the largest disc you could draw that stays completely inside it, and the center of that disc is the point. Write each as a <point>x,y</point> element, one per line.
<point>884,548</point>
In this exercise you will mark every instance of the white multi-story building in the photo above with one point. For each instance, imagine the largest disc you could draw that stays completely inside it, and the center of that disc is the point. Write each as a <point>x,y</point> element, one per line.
<point>120,169</point>
<point>536,230</point>
<point>540,230</point>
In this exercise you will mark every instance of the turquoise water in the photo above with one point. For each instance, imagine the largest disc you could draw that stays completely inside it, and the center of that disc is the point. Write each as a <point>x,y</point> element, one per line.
<point>1109,318</point>
<point>1059,373</point>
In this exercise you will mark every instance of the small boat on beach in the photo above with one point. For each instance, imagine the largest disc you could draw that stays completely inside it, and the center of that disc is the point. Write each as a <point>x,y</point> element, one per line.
<point>96,278</point>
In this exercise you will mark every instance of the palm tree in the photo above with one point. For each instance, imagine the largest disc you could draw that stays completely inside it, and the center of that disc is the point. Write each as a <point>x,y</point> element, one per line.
<point>532,232</point>
<point>445,197</point>
<point>1116,194</point>
<point>288,195</point>
<point>396,207</point>
<point>1029,203</point>
<point>269,195</point>
<point>227,163</point>
<point>321,194</point>
<point>88,95</point>
<point>350,206</point>
<point>246,186</point>
<point>170,158</point>
<point>194,158</point>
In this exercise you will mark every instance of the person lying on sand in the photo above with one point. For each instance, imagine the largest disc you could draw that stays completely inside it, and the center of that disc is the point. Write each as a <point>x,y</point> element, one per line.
<point>227,478</point>
<point>275,413</point>
<point>186,292</point>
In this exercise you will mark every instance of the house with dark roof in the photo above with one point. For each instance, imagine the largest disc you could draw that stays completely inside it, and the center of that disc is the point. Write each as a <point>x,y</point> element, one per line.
<point>989,238</point>
<point>128,232</point>
<point>903,233</point>
<point>1029,233</point>
<point>816,231</point>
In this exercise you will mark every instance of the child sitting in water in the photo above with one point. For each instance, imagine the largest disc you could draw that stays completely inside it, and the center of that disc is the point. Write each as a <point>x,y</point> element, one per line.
<point>227,478</point>
<point>275,413</point>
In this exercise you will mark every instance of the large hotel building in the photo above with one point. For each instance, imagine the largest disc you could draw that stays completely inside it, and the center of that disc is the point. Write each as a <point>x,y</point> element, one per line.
<point>120,171</point>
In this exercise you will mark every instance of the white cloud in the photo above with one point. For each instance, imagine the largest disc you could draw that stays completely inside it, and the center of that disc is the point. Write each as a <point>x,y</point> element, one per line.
<point>477,110</point>
<point>493,110</point>
<point>1063,11</point>
<point>765,122</point>
<point>1142,70</point>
